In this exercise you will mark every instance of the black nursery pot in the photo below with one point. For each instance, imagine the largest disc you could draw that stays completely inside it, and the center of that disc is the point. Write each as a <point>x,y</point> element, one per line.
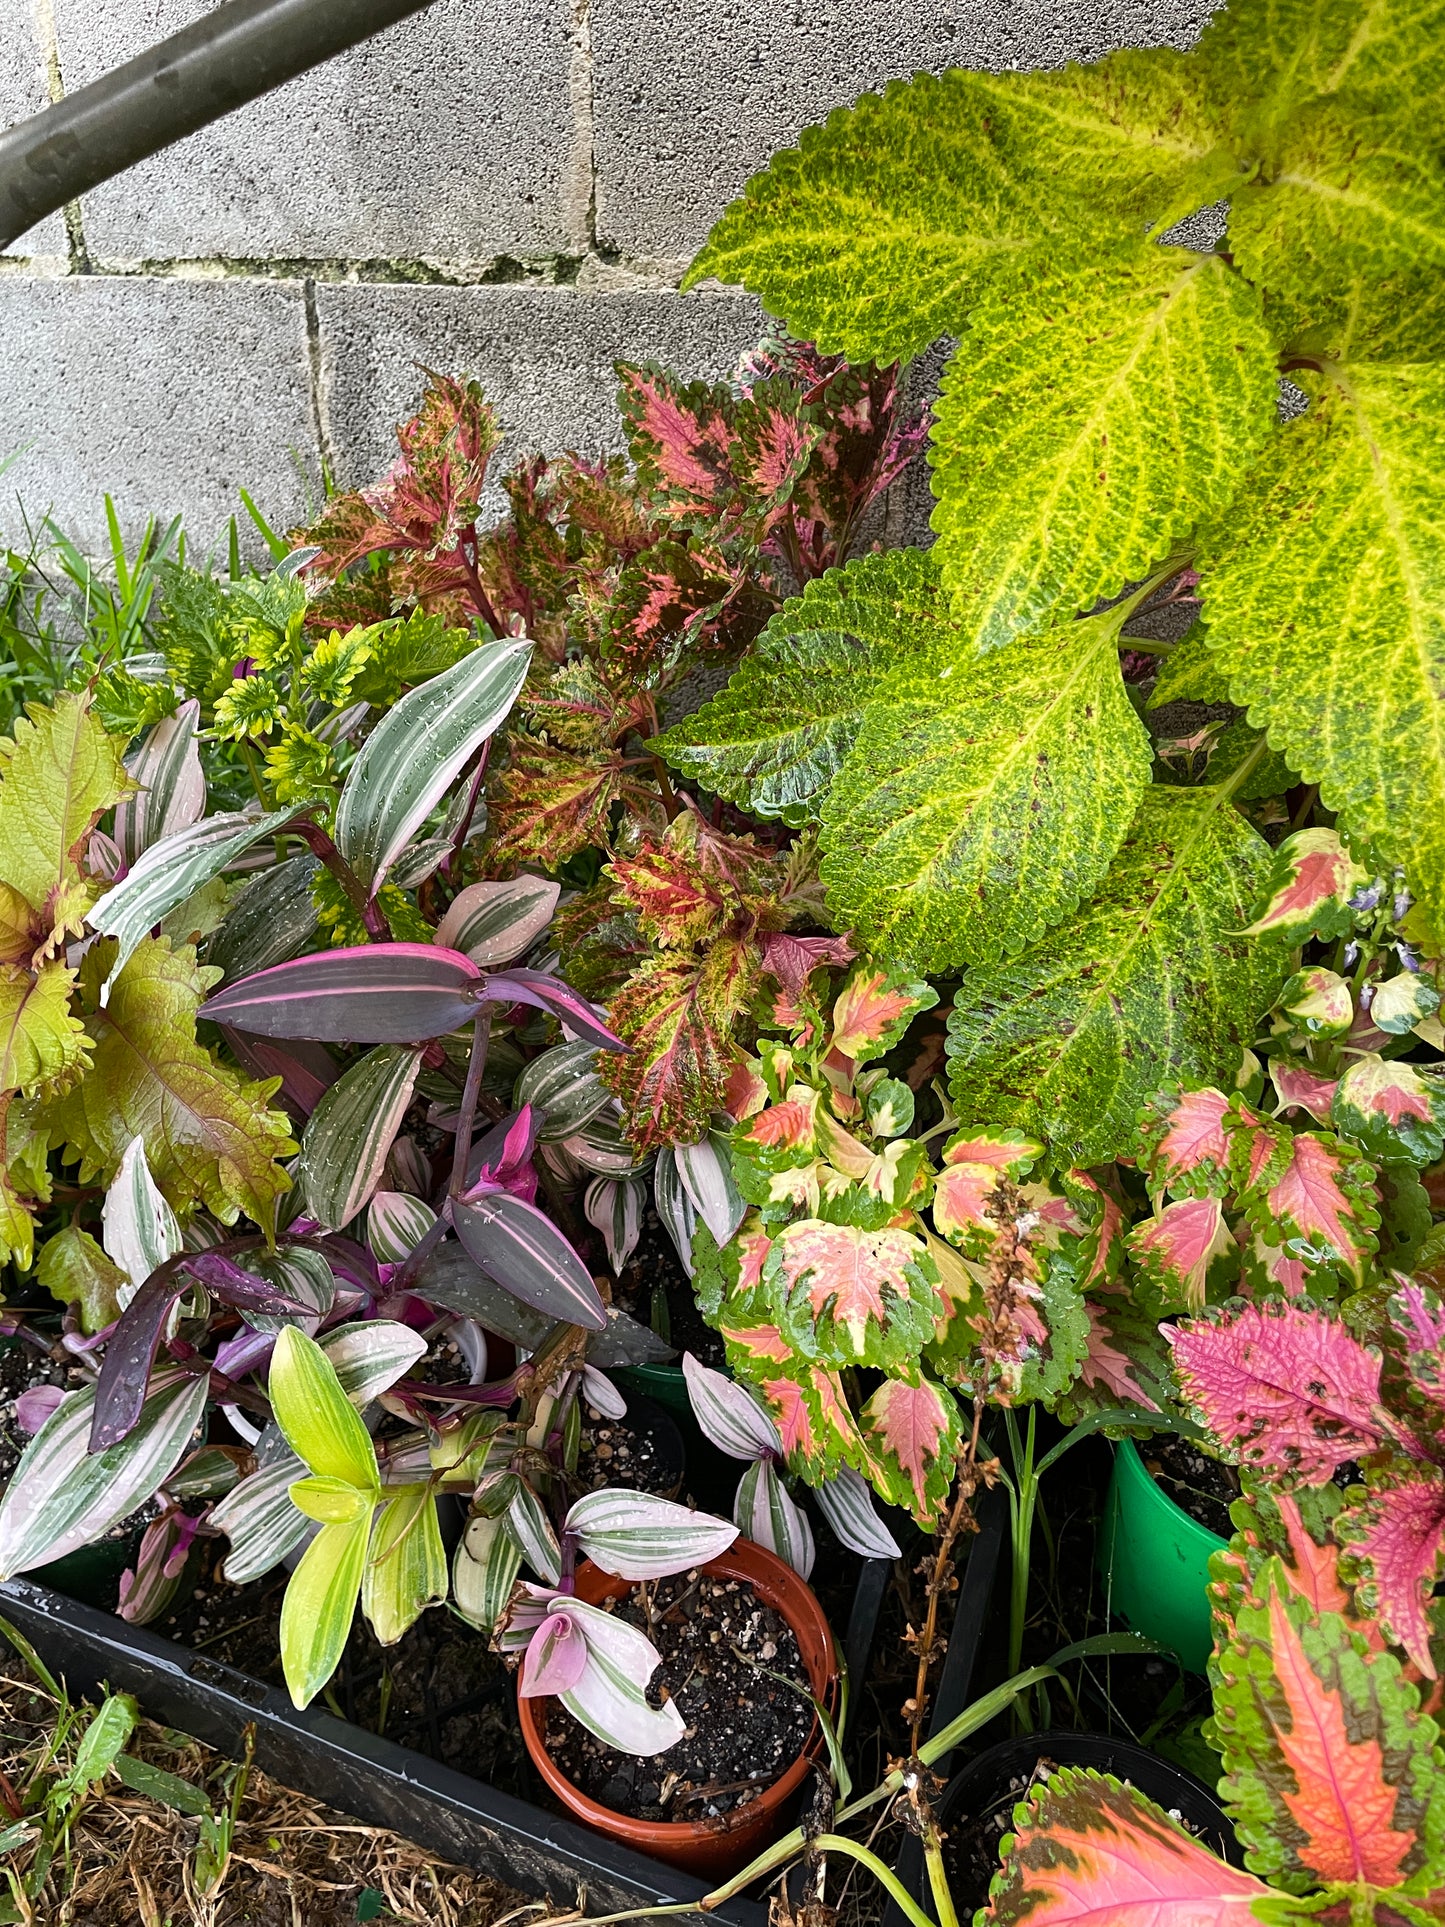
<point>976,1809</point>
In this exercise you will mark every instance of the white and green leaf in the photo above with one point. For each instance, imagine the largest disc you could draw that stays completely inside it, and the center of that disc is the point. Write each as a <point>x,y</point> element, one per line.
<point>348,1136</point>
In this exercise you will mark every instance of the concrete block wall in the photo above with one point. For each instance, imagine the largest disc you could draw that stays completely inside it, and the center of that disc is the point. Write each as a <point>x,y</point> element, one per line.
<point>505,188</point>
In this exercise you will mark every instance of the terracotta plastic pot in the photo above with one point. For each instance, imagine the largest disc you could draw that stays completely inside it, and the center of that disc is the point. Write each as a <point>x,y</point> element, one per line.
<point>723,1844</point>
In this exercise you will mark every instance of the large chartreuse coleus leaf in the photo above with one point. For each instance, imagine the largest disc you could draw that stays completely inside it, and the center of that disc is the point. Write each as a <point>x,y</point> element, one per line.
<point>1151,981</point>
<point>208,1132</point>
<point>1324,591</point>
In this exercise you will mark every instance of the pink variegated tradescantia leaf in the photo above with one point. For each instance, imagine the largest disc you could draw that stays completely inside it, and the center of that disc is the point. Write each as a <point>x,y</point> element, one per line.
<point>874,1008</point>
<point>1317,1195</point>
<point>555,1659</point>
<point>1088,1851</point>
<point>912,1434</point>
<point>1283,1387</point>
<point>1185,1143</point>
<point>1392,1109</point>
<point>1396,1532</point>
<point>1418,1315</point>
<point>1308,889</point>
<point>1301,1089</point>
<point>850,1297</point>
<point>1182,1250</point>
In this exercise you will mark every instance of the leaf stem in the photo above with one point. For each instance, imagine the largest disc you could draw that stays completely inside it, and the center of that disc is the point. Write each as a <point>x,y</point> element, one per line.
<point>884,1875</point>
<point>938,1875</point>
<point>1238,776</point>
<point>476,1068</point>
<point>367,908</point>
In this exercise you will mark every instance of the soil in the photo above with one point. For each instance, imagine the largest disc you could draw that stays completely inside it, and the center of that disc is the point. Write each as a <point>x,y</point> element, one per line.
<point>22,1367</point>
<point>732,1667</point>
<point>655,1272</point>
<point>971,1847</point>
<point>1201,1485</point>
<point>614,1453</point>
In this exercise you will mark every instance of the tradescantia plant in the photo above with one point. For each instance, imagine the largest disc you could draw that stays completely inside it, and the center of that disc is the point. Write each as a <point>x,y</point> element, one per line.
<point>1108,424</point>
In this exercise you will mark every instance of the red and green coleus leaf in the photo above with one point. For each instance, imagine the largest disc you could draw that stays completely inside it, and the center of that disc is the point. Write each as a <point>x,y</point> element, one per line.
<point>1395,1528</point>
<point>1394,1110</point>
<point>1184,1253</point>
<point>846,1296</point>
<point>1418,1315</point>
<point>1331,1771</point>
<point>973,1163</point>
<point>1283,1387</point>
<point>1308,889</point>
<point>548,804</point>
<point>727,1278</point>
<point>1317,1002</point>
<point>874,1008</point>
<point>1316,1194</point>
<point>1101,1208</point>
<point>676,1015</point>
<point>1126,1362</point>
<point>1184,1142</point>
<point>806,1402</point>
<point>1301,1089</point>
<point>680,436</point>
<point>681,594</point>
<point>1088,1851</point>
<point>913,1434</point>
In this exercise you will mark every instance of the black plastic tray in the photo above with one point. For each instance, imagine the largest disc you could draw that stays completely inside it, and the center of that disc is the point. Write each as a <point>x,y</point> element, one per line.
<point>458,1818</point>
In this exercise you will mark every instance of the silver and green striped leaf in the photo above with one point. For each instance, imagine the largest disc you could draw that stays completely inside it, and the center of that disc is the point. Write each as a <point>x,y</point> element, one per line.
<point>138,1228</point>
<point>484,1571</point>
<point>675,1208</point>
<point>846,1502</point>
<point>707,1177</point>
<point>396,1223</point>
<point>343,1150</point>
<point>636,1536</point>
<point>531,1530</point>
<point>600,1146</point>
<point>562,1083</point>
<point>302,1274</point>
<point>765,1513</point>
<point>495,923</point>
<point>273,919</point>
<point>172,788</point>
<point>370,1356</point>
<point>614,1206</point>
<point>261,1520</point>
<point>417,751</point>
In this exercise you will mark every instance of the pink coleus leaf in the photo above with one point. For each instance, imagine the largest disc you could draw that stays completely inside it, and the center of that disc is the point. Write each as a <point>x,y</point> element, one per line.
<point>1185,1144</point>
<point>1397,1533</point>
<point>1107,1234</point>
<point>786,1126</point>
<point>1299,1088</point>
<point>851,1297</point>
<point>1286,1388</point>
<point>774,436</point>
<point>1394,1110</point>
<point>1090,1852</point>
<point>1179,1249</point>
<point>1318,1002</point>
<point>1308,889</point>
<point>1418,1315</point>
<point>555,1658</point>
<point>1270,1269</point>
<point>792,960</point>
<point>1107,1364</point>
<point>679,436</point>
<point>874,1008</point>
<point>1008,1151</point>
<point>912,1433</point>
<point>816,1429</point>
<point>1318,1197</point>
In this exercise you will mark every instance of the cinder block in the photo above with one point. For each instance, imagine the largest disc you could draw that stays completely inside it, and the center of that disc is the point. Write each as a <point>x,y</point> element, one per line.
<point>171,395</point>
<point>24,90</point>
<point>449,136</point>
<point>544,357</point>
<point>693,96</point>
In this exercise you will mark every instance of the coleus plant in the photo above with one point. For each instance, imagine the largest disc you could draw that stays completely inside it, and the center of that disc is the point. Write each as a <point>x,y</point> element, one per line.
<point>957,719</point>
<point>1334,1777</point>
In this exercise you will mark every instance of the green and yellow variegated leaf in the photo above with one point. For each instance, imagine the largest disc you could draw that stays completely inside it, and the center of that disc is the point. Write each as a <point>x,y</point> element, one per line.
<point>1082,432</point>
<point>406,1565</point>
<point>1263,61</point>
<point>775,738</point>
<point>1188,674</point>
<point>343,1151</point>
<point>62,1495</point>
<point>319,1606</point>
<point>878,232</point>
<point>320,1423</point>
<point>984,799</point>
<point>74,1269</point>
<point>43,1045</point>
<point>1149,983</point>
<point>61,774</point>
<point>208,1133</point>
<point>1324,590</point>
<point>484,1571</point>
<point>24,1178</point>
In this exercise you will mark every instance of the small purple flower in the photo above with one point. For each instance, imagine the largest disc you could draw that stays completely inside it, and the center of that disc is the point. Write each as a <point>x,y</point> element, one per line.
<point>1366,900</point>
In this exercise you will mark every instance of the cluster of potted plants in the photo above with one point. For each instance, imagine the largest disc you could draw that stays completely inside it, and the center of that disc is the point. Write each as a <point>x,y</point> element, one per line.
<point>1004,1017</point>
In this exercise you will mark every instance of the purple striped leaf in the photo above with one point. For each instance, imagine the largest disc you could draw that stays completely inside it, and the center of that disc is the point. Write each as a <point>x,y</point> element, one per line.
<point>525,1253</point>
<point>307,1071</point>
<point>550,994</point>
<point>379,993</point>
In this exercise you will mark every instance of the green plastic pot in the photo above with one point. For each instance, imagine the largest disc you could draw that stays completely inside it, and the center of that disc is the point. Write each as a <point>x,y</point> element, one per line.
<point>1155,1562</point>
<point>663,1384</point>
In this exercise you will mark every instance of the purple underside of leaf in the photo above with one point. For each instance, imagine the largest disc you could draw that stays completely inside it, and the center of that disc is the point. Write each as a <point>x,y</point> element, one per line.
<point>547,993</point>
<point>306,1070</point>
<point>525,1253</point>
<point>125,1369</point>
<point>381,993</point>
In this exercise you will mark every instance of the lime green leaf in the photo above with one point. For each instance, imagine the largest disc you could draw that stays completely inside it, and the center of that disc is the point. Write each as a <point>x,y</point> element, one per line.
<point>75,1270</point>
<point>984,799</point>
<point>1150,982</point>
<point>774,739</point>
<point>330,1501</point>
<point>42,1044</point>
<point>1265,60</point>
<point>406,1570</point>
<point>1082,432</point>
<point>208,1133</point>
<point>1325,596</point>
<point>1189,673</point>
<point>104,1741</point>
<point>156,1784</point>
<point>320,1422</point>
<point>61,775</point>
<point>319,1606</point>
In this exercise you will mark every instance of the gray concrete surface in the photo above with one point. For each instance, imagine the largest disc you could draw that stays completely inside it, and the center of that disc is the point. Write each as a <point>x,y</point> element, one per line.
<point>508,188</point>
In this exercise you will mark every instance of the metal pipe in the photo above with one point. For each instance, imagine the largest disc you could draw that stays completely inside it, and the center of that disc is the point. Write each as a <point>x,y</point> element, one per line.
<point>242,49</point>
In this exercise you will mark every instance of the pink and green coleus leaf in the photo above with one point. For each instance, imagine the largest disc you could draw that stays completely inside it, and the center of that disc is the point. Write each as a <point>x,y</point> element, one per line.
<point>1299,1088</point>
<point>1396,1531</point>
<point>1126,1362</point>
<point>1418,1315</point>
<point>1394,1110</point>
<point>1283,1387</point>
<point>912,1434</point>
<point>850,1297</point>
<point>679,436</point>
<point>1088,1850</point>
<point>874,1008</point>
<point>1308,889</point>
<point>807,1403</point>
<point>1184,1142</point>
<point>1318,1002</point>
<point>1183,1251</point>
<point>1316,1195</point>
<point>1331,1771</point>
<point>973,1163</point>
